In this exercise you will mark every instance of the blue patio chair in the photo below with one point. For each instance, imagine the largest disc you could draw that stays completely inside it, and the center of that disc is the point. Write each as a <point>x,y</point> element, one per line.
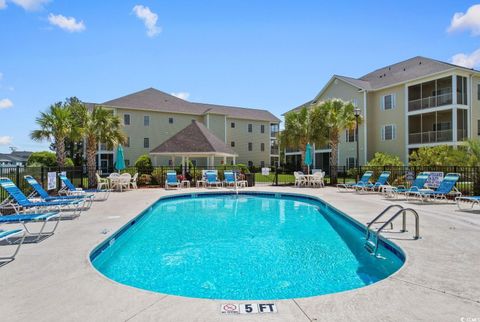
<point>229,179</point>
<point>212,179</point>
<point>417,184</point>
<point>20,203</point>
<point>25,219</point>
<point>43,194</point>
<point>446,187</point>
<point>381,181</point>
<point>69,189</point>
<point>365,179</point>
<point>8,235</point>
<point>471,201</point>
<point>172,180</point>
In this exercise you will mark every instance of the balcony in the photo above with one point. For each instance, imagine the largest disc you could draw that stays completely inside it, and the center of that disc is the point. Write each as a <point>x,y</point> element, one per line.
<point>429,102</point>
<point>435,136</point>
<point>274,150</point>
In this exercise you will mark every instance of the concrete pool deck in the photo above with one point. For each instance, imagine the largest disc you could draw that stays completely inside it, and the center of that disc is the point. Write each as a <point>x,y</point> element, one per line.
<point>53,280</point>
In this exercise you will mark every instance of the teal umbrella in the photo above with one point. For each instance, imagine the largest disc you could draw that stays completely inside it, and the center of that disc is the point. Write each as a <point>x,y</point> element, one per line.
<point>120,162</point>
<point>308,157</point>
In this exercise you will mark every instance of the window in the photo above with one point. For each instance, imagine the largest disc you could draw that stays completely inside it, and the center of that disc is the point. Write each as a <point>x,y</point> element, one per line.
<point>232,144</point>
<point>170,120</point>
<point>127,162</point>
<point>478,127</point>
<point>126,119</point>
<point>250,146</point>
<point>146,142</point>
<point>442,126</point>
<point>250,128</point>
<point>262,147</point>
<point>388,102</point>
<point>354,102</point>
<point>350,135</point>
<point>127,143</point>
<point>262,164</point>
<point>232,125</point>
<point>146,120</point>
<point>478,91</point>
<point>350,163</point>
<point>461,90</point>
<point>250,164</point>
<point>262,128</point>
<point>389,132</point>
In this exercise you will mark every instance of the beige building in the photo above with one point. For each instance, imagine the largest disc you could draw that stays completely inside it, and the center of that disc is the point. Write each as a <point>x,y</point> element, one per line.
<point>414,103</point>
<point>150,117</point>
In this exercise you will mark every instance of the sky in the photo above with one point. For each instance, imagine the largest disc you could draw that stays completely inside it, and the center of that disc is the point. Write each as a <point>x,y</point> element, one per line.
<point>268,54</point>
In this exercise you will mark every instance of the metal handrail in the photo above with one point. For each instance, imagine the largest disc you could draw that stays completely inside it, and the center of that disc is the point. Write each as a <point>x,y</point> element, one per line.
<point>379,216</point>
<point>402,211</point>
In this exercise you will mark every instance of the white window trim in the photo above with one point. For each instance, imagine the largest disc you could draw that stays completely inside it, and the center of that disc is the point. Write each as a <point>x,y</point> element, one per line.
<point>129,119</point>
<point>347,134</point>
<point>394,132</point>
<point>394,101</point>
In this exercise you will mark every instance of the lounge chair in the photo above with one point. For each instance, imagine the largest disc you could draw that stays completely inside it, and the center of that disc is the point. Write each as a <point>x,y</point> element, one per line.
<point>212,179</point>
<point>20,203</point>
<point>38,191</point>
<point>446,187</point>
<point>471,201</point>
<point>381,181</point>
<point>7,235</point>
<point>417,184</point>
<point>364,180</point>
<point>230,180</point>
<point>24,219</point>
<point>69,189</point>
<point>172,181</point>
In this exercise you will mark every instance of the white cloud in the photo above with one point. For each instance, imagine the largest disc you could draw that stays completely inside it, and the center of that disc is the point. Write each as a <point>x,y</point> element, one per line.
<point>69,24</point>
<point>30,5</point>
<point>471,60</point>
<point>6,140</point>
<point>3,4</point>
<point>5,103</point>
<point>149,19</point>
<point>182,95</point>
<point>469,20</point>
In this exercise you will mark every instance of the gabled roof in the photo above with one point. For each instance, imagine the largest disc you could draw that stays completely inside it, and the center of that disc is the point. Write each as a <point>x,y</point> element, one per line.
<point>195,138</point>
<point>155,100</point>
<point>397,73</point>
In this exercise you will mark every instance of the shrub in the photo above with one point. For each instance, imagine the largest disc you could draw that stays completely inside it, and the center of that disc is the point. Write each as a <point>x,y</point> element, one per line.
<point>381,159</point>
<point>69,162</point>
<point>144,165</point>
<point>439,155</point>
<point>144,179</point>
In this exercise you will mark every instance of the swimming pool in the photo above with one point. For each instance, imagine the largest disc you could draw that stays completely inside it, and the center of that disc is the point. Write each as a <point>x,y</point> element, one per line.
<point>248,246</point>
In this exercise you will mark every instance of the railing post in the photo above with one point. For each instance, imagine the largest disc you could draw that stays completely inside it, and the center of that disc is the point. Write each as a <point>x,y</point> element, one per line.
<point>17,177</point>
<point>276,175</point>
<point>42,176</point>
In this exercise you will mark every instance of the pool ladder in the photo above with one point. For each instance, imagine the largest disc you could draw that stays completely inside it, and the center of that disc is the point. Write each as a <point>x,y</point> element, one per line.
<point>371,238</point>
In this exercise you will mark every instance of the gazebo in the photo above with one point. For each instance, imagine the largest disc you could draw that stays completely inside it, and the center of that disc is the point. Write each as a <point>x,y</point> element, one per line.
<point>194,141</point>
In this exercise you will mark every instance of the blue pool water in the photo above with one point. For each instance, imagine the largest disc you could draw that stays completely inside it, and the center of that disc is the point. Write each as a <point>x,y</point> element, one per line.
<point>243,247</point>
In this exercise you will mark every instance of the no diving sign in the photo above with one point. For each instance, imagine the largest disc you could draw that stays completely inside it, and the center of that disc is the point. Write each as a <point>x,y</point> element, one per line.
<point>248,308</point>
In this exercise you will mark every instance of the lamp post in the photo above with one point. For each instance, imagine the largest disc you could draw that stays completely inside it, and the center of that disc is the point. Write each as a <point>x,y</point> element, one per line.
<point>357,115</point>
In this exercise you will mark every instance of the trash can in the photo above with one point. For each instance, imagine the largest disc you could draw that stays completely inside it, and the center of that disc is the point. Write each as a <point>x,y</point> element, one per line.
<point>250,177</point>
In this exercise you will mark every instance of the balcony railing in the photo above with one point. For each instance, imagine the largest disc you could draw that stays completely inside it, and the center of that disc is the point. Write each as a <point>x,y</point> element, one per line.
<point>428,102</point>
<point>436,136</point>
<point>273,134</point>
<point>274,150</point>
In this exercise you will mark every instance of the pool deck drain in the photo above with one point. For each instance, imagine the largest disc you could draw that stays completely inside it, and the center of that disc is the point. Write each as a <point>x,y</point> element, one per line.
<point>53,280</point>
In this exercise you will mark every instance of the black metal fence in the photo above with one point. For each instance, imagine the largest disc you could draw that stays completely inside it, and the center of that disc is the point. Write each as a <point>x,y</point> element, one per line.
<point>469,183</point>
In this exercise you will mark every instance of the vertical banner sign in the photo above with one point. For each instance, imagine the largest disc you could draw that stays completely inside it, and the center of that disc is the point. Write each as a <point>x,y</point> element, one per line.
<point>51,180</point>
<point>64,173</point>
<point>434,179</point>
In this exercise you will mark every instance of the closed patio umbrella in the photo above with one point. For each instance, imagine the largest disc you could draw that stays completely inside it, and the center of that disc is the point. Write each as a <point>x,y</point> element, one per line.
<point>120,162</point>
<point>308,157</point>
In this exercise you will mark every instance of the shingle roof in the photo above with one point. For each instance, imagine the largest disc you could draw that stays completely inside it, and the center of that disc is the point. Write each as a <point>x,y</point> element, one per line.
<point>195,138</point>
<point>155,100</point>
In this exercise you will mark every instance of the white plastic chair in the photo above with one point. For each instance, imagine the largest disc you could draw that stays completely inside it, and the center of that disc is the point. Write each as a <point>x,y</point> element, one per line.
<point>133,182</point>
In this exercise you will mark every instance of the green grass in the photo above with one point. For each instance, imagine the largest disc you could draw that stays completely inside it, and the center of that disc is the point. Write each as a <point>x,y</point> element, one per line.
<point>282,178</point>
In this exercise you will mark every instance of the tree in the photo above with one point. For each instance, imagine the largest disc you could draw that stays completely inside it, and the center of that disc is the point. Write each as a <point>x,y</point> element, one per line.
<point>55,126</point>
<point>302,127</point>
<point>473,147</point>
<point>46,159</point>
<point>95,125</point>
<point>144,164</point>
<point>335,116</point>
<point>381,159</point>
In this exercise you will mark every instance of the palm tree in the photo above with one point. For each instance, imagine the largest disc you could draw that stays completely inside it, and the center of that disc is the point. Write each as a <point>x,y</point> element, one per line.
<point>336,116</point>
<point>96,125</point>
<point>55,126</point>
<point>302,127</point>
